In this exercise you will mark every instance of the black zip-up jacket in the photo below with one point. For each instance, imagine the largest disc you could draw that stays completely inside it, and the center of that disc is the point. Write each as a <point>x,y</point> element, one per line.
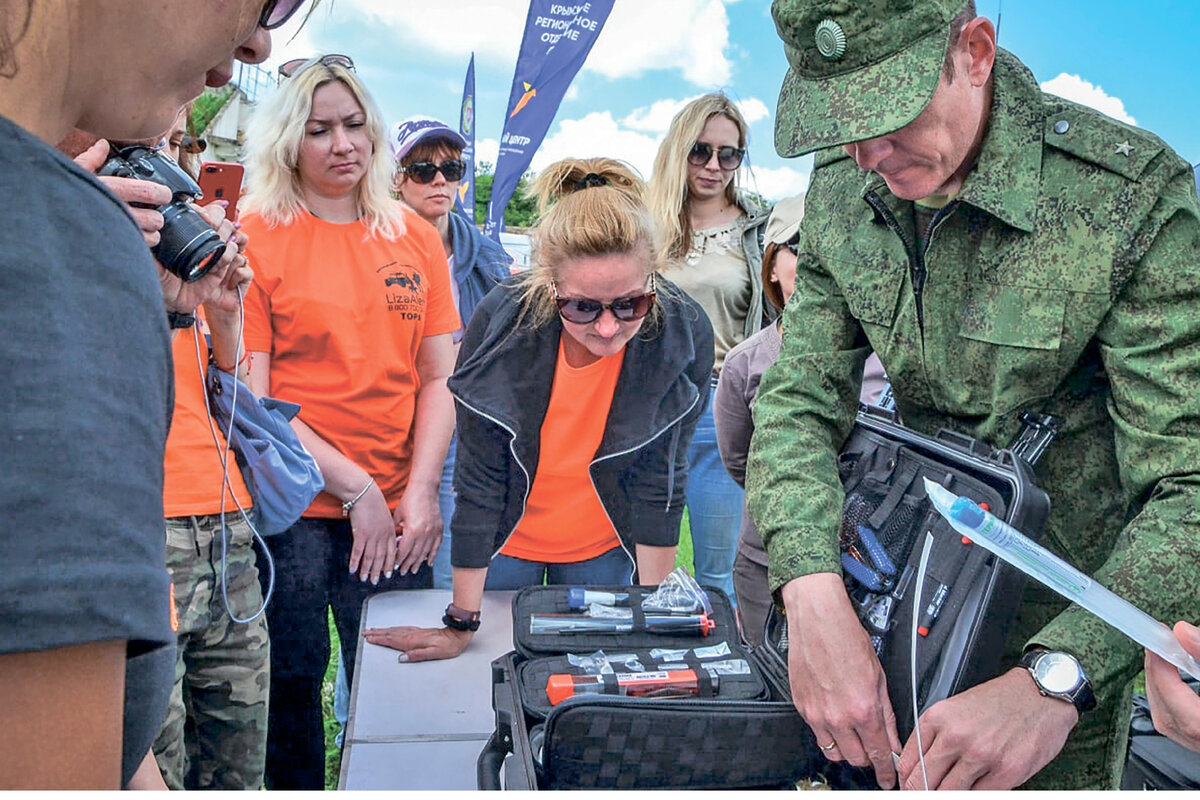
<point>501,386</point>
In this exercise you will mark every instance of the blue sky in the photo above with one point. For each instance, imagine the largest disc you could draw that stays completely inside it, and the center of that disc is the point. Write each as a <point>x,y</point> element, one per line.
<point>1136,62</point>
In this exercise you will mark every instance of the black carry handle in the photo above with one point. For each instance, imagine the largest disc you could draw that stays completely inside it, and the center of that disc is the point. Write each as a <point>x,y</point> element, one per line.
<point>487,766</point>
<point>1037,432</point>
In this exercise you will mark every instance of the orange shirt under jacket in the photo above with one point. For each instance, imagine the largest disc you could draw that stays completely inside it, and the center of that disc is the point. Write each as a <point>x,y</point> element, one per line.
<point>564,520</point>
<point>342,316</point>
<point>192,471</point>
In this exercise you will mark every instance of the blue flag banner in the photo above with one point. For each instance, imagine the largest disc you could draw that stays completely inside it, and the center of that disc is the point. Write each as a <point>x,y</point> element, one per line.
<point>558,37</point>
<point>465,202</point>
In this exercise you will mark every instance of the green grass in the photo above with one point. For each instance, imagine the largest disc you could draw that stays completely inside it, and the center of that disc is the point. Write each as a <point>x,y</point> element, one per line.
<point>333,754</point>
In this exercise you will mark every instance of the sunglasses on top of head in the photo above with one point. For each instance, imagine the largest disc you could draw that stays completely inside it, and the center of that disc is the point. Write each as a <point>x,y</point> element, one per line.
<point>584,311</point>
<point>297,65</point>
<point>728,157</point>
<point>277,12</point>
<point>426,171</point>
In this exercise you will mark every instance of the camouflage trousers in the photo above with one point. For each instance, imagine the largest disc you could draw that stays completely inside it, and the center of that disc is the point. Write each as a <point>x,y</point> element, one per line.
<point>215,732</point>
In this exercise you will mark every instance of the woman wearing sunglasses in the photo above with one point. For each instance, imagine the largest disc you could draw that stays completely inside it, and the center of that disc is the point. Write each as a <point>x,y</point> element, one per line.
<point>86,649</point>
<point>350,316</point>
<point>429,169</point>
<point>733,404</point>
<point>713,244</point>
<point>579,384</point>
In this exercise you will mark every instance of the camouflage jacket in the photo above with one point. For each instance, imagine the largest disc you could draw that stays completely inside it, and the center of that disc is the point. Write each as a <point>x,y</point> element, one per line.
<point>1065,279</point>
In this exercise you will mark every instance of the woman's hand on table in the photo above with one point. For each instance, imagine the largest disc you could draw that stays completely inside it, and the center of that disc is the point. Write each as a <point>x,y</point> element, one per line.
<point>420,644</point>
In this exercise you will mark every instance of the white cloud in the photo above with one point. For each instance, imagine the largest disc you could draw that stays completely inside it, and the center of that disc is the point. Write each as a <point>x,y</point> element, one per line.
<point>776,184</point>
<point>597,134</point>
<point>656,118</point>
<point>487,150</point>
<point>753,109</point>
<point>1075,88</point>
<point>690,36</point>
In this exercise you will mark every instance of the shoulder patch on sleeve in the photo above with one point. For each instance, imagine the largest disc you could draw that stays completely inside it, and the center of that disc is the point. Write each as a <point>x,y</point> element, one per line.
<point>1092,137</point>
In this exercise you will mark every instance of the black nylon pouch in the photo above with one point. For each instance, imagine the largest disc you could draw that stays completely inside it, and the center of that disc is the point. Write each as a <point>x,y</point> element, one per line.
<point>601,741</point>
<point>970,597</point>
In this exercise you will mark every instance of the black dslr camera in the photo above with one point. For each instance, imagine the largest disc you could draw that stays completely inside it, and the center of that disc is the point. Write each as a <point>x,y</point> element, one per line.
<point>188,246</point>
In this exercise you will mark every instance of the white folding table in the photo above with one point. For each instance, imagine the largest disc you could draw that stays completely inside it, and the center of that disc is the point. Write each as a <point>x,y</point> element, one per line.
<point>422,726</point>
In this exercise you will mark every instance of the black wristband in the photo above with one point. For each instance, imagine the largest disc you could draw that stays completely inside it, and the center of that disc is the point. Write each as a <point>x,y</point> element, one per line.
<point>459,619</point>
<point>177,320</point>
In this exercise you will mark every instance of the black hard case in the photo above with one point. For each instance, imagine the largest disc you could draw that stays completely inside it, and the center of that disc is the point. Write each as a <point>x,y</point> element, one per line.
<point>882,465</point>
<point>749,735</point>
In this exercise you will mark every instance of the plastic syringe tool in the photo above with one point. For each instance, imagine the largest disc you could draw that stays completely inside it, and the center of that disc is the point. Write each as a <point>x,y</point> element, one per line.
<point>580,598</point>
<point>1036,561</point>
<point>673,683</point>
<point>696,624</point>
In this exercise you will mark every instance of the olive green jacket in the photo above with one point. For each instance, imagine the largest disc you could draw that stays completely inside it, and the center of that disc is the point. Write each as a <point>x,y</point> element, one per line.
<point>1064,279</point>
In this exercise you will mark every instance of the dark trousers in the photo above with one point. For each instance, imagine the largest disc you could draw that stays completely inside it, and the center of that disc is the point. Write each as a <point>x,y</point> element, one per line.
<point>311,575</point>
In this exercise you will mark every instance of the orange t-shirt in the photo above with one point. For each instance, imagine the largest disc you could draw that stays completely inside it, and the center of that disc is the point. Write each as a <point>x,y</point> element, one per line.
<point>564,520</point>
<point>192,470</point>
<point>342,317</point>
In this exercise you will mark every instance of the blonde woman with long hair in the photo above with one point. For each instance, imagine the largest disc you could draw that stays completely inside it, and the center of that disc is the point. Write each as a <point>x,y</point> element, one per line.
<point>351,316</point>
<point>712,248</point>
<point>551,489</point>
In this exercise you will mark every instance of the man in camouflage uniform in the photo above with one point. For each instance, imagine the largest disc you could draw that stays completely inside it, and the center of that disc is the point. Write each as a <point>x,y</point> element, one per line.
<point>1052,264</point>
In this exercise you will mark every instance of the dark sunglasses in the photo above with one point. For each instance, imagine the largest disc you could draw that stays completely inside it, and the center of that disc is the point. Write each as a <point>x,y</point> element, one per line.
<point>582,311</point>
<point>426,171</point>
<point>277,12</point>
<point>289,68</point>
<point>728,157</point>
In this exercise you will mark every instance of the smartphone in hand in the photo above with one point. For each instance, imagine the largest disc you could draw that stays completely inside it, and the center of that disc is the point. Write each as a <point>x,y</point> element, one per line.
<point>221,180</point>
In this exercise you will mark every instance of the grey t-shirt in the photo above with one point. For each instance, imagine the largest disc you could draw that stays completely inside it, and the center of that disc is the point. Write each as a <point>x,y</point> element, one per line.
<point>84,407</point>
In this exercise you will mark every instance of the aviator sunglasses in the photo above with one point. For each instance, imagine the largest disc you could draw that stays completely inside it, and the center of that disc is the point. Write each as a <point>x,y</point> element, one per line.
<point>728,157</point>
<point>425,171</point>
<point>583,311</point>
<point>289,68</point>
<point>277,12</point>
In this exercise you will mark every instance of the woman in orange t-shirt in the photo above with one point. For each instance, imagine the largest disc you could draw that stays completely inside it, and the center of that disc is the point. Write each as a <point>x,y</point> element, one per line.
<point>578,385</point>
<point>351,316</point>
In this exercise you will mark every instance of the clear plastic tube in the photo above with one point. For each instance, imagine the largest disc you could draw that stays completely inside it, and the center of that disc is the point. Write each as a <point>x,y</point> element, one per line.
<point>1036,561</point>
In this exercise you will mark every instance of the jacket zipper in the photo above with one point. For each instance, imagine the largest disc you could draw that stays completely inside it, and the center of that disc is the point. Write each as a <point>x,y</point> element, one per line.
<point>639,446</point>
<point>512,441</point>
<point>916,255</point>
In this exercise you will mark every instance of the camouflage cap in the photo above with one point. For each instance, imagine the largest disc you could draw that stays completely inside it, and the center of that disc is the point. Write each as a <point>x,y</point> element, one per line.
<point>859,68</point>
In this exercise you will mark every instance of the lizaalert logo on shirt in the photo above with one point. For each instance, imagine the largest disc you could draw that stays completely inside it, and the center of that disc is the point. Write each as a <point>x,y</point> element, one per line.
<point>404,290</point>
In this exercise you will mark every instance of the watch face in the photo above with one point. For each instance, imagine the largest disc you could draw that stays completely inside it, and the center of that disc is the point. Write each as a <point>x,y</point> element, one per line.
<point>1057,673</point>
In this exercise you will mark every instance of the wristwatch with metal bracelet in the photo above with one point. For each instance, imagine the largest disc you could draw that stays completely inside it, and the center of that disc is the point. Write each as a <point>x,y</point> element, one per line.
<point>1059,675</point>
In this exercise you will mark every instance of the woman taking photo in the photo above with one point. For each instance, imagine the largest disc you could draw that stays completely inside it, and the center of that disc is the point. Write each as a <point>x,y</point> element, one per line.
<point>429,168</point>
<point>551,488</point>
<point>713,250</point>
<point>84,579</point>
<point>350,316</point>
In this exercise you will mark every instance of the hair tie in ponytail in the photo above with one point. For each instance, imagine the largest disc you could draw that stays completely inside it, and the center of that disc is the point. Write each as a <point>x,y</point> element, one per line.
<point>590,180</point>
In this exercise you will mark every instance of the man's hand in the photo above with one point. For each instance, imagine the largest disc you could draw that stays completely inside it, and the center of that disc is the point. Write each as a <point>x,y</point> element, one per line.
<point>418,518</point>
<point>996,735</point>
<point>420,644</point>
<point>1174,707</point>
<point>837,683</point>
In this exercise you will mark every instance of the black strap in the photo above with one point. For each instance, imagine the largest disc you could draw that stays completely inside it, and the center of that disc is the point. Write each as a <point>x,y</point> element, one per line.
<point>901,480</point>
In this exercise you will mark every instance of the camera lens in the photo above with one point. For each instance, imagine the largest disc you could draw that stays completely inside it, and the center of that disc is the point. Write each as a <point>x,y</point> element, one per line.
<point>188,246</point>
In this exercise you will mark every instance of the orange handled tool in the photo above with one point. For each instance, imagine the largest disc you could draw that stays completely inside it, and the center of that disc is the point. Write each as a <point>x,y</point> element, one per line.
<point>666,683</point>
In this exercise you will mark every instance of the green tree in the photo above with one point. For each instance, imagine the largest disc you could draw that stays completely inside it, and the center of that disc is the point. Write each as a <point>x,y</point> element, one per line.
<point>522,208</point>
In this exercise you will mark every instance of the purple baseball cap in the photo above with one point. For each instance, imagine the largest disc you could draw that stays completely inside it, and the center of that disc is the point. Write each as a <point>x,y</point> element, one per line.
<point>406,133</point>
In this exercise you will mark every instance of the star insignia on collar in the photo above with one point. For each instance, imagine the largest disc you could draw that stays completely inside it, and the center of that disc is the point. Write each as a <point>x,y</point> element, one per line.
<point>1124,148</point>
